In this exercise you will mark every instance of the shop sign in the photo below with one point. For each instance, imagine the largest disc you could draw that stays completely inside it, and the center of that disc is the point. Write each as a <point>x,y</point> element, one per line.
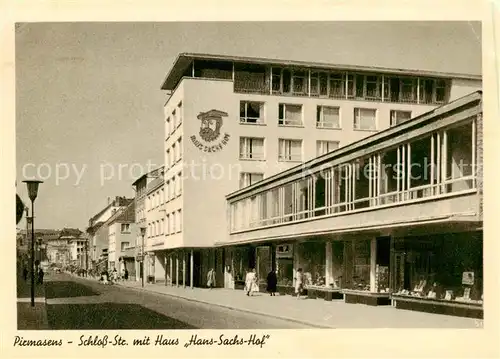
<point>284,251</point>
<point>468,278</point>
<point>210,138</point>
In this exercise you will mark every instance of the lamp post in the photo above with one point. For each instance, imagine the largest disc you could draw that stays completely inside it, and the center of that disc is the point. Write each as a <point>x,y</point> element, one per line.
<point>143,233</point>
<point>32,192</point>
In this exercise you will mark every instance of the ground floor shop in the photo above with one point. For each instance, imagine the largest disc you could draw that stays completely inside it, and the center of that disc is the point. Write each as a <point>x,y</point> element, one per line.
<point>438,273</point>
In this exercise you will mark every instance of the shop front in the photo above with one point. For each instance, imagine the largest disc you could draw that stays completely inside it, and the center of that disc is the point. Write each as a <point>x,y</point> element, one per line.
<point>439,274</point>
<point>237,262</point>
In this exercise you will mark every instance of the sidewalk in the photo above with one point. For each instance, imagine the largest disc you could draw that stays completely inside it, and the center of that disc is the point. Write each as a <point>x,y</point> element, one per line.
<point>314,312</point>
<point>28,317</point>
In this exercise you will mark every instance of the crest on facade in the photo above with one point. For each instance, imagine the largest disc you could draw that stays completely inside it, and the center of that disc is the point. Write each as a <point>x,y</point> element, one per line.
<point>211,123</point>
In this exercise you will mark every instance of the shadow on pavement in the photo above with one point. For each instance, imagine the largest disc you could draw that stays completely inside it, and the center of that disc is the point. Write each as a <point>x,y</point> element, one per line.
<point>109,316</point>
<point>66,290</point>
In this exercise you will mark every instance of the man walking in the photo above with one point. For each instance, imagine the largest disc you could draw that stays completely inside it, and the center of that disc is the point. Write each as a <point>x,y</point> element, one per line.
<point>211,278</point>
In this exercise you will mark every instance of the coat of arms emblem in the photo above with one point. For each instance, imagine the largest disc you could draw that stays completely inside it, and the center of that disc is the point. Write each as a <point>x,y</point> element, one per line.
<point>211,123</point>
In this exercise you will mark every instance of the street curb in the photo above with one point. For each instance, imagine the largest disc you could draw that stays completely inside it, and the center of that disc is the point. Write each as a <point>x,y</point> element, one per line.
<point>319,326</point>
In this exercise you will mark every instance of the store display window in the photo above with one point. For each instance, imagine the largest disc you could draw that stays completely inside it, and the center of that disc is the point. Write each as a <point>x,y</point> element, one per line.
<point>357,264</point>
<point>444,267</point>
<point>264,263</point>
<point>312,260</point>
<point>284,264</point>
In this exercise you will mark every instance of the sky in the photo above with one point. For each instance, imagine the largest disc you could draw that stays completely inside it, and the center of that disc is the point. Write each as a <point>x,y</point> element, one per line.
<point>88,97</point>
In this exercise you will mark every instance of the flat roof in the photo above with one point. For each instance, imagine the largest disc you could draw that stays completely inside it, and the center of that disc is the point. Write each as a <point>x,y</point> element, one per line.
<point>184,60</point>
<point>363,143</point>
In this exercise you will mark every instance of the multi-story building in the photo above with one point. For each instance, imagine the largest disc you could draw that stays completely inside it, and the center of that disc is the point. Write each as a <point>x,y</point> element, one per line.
<point>122,234</point>
<point>97,233</point>
<point>231,122</point>
<point>149,189</point>
<point>396,216</point>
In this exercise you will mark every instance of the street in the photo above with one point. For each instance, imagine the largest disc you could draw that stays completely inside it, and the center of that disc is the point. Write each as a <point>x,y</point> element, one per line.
<point>77,303</point>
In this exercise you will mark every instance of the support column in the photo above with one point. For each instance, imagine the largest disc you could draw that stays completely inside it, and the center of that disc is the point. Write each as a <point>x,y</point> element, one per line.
<point>177,269</point>
<point>373,264</point>
<point>296,261</point>
<point>171,271</point>
<point>191,269</point>
<point>184,270</point>
<point>328,264</point>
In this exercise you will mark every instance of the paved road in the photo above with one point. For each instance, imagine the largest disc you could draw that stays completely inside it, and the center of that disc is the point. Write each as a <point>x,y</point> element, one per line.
<point>75,303</point>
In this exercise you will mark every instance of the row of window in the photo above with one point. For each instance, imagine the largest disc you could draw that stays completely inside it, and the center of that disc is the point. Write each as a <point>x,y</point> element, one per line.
<point>172,189</point>
<point>174,120</point>
<point>171,224</point>
<point>437,164</point>
<point>342,85</point>
<point>252,112</point>
<point>174,154</point>
<point>289,150</point>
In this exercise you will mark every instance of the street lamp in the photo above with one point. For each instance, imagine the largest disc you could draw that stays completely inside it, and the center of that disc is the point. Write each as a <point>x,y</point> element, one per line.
<point>143,233</point>
<point>32,192</point>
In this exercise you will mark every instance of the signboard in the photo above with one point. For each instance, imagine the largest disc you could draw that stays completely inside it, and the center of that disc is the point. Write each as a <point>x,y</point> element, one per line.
<point>284,251</point>
<point>468,278</point>
<point>210,138</point>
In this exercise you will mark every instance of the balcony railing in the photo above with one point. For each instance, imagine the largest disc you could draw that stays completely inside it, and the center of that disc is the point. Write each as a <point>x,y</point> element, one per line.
<point>415,194</point>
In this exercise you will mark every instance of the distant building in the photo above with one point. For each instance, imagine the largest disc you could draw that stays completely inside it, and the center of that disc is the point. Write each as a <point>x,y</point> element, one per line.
<point>97,234</point>
<point>122,234</point>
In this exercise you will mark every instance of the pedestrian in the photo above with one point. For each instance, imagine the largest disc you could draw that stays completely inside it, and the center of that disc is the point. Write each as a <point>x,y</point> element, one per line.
<point>40,276</point>
<point>299,282</point>
<point>211,278</point>
<point>272,281</point>
<point>125,274</point>
<point>115,275</point>
<point>25,273</point>
<point>251,282</point>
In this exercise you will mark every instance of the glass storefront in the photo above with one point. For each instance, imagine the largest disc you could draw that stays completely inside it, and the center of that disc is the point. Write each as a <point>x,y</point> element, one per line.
<point>284,264</point>
<point>442,267</point>
<point>264,263</point>
<point>312,260</point>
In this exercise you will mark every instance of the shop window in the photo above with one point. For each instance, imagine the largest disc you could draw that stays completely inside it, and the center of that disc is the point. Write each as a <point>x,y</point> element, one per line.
<point>357,264</point>
<point>447,267</point>
<point>312,260</point>
<point>264,264</point>
<point>284,264</point>
<point>337,271</point>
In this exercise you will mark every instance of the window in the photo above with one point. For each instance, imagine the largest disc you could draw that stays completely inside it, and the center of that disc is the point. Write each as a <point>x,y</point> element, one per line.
<point>179,149</point>
<point>290,150</point>
<point>440,90</point>
<point>167,222</point>
<point>173,224</point>
<point>408,91</point>
<point>175,153</point>
<point>337,85</point>
<point>276,80</point>
<point>251,148</point>
<point>125,245</point>
<point>365,119</point>
<point>323,147</point>
<point>179,113</point>
<point>327,117</point>
<point>248,179</point>
<point>290,115</point>
<point>398,117</point>
<point>161,226</point>
<point>173,188</point>
<point>179,220</point>
<point>178,185</point>
<point>373,87</point>
<point>314,88</point>
<point>125,227</point>
<point>179,179</point>
<point>251,112</point>
<point>299,80</point>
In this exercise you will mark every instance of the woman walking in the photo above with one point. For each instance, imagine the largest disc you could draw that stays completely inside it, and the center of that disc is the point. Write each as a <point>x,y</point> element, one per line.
<point>272,282</point>
<point>211,278</point>
<point>251,282</point>
<point>299,282</point>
